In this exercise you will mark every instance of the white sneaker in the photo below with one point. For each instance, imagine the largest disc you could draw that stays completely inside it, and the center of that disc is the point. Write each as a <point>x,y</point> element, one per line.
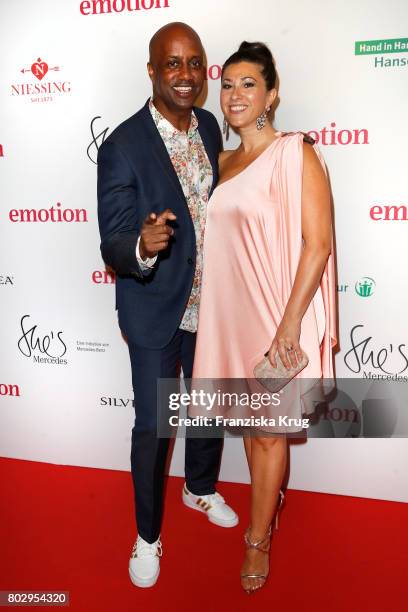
<point>144,563</point>
<point>213,506</point>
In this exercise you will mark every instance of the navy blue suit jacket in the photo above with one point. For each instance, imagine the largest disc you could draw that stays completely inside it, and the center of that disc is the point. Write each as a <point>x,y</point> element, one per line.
<point>136,177</point>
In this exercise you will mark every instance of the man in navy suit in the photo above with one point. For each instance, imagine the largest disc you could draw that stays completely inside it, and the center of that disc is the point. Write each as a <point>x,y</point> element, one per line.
<point>156,172</point>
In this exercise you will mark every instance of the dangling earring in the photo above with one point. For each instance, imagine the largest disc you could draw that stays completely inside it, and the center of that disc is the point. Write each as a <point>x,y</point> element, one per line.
<point>225,128</point>
<point>261,120</point>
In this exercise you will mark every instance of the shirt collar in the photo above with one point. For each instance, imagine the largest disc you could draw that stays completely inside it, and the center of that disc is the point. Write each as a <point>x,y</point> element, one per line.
<point>166,128</point>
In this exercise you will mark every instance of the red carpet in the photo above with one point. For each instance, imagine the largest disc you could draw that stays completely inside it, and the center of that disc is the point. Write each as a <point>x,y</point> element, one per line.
<point>72,529</point>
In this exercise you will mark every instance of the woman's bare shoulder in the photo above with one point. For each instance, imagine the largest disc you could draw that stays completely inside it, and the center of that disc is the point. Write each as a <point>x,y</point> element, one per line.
<point>224,155</point>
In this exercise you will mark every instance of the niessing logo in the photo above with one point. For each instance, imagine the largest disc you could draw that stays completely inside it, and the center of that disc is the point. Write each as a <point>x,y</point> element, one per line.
<point>39,69</point>
<point>42,89</point>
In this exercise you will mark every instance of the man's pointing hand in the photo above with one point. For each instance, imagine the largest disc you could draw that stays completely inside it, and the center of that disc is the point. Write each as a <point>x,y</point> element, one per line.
<point>155,233</point>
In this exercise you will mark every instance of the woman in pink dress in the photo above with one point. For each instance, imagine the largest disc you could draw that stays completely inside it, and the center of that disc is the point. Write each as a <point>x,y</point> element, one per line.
<point>268,278</point>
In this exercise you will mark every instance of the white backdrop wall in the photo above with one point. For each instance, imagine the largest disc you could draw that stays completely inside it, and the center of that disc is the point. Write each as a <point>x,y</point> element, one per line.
<point>65,386</point>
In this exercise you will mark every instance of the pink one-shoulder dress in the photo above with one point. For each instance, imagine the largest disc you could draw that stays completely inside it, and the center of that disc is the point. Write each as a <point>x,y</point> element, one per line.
<point>252,246</point>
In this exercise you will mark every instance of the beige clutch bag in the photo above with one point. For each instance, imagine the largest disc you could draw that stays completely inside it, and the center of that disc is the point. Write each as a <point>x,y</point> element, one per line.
<point>274,379</point>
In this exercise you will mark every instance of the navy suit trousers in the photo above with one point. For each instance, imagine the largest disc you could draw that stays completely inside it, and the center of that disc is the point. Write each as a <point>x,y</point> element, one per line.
<point>149,452</point>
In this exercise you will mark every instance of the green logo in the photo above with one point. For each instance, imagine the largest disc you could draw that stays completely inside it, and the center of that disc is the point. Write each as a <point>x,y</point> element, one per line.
<point>388,45</point>
<point>365,286</point>
<point>379,48</point>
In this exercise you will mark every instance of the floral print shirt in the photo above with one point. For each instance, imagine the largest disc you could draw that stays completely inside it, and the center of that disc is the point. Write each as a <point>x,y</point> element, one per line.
<point>194,171</point>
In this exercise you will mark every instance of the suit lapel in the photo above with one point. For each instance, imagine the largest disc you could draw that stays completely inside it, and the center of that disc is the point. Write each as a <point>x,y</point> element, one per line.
<point>160,152</point>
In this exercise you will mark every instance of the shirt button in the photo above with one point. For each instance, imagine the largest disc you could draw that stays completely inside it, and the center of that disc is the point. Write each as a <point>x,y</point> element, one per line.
<point>190,260</point>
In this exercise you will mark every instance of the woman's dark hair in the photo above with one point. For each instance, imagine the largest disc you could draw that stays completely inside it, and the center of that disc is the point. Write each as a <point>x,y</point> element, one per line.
<point>257,53</point>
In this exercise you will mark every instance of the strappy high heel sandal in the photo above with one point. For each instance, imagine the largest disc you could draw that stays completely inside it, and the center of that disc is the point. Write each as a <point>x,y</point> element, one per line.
<point>261,546</point>
<point>257,580</point>
<point>279,508</point>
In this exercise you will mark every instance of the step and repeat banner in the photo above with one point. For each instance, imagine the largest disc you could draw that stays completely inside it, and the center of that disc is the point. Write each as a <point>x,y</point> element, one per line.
<point>70,72</point>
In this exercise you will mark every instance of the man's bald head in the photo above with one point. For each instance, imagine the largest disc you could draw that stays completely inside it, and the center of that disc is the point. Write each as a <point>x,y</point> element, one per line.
<point>177,71</point>
<point>176,29</point>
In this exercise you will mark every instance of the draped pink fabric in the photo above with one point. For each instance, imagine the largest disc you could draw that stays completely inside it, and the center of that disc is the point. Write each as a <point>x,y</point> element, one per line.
<point>252,246</point>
